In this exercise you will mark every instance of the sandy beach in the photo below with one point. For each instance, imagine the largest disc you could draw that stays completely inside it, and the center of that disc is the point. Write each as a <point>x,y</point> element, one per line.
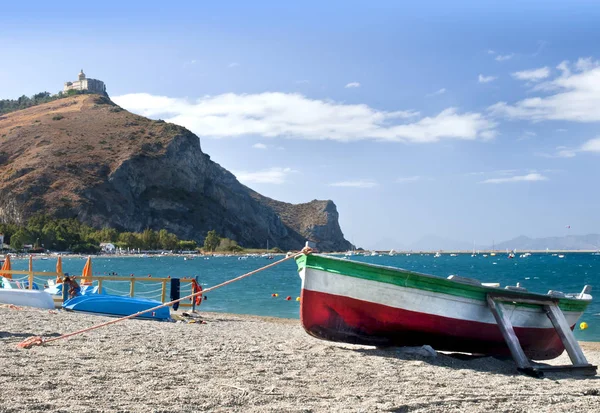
<point>240,363</point>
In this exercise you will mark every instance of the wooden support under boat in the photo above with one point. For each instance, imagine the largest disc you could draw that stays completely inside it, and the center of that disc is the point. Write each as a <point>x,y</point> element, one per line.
<point>556,316</point>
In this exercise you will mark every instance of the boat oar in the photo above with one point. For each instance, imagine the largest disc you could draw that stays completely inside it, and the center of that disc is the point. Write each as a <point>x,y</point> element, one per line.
<point>38,341</point>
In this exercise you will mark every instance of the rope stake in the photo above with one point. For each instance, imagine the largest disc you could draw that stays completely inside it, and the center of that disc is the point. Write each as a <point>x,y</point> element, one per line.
<point>38,341</point>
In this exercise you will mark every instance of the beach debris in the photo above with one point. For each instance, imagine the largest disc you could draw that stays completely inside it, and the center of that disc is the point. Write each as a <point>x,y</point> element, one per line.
<point>423,351</point>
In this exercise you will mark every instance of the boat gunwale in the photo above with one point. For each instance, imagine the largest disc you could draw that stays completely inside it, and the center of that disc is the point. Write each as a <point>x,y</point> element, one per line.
<point>477,292</point>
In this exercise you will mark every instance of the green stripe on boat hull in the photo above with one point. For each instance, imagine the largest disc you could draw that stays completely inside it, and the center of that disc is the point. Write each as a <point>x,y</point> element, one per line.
<point>418,281</point>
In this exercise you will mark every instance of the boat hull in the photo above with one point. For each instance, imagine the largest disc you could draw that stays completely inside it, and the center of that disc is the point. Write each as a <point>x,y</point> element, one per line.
<point>385,309</point>
<point>26,298</point>
<point>114,305</point>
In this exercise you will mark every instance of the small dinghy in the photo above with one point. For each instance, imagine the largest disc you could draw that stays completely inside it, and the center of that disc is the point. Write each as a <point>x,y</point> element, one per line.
<point>116,305</point>
<point>26,298</point>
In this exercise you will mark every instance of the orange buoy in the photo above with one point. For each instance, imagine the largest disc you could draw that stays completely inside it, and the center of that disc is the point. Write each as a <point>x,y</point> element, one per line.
<point>288,298</point>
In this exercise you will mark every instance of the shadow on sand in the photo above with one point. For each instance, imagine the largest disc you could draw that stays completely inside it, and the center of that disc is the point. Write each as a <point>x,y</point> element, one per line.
<point>459,361</point>
<point>8,335</point>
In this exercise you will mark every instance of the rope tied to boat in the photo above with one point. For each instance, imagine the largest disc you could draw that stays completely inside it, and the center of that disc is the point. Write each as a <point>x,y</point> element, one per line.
<point>38,341</point>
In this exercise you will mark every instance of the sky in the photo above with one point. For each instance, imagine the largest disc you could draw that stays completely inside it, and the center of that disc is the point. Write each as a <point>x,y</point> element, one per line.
<point>466,120</point>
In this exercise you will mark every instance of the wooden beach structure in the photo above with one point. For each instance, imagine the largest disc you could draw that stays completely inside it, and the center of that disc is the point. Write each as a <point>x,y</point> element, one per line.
<point>26,280</point>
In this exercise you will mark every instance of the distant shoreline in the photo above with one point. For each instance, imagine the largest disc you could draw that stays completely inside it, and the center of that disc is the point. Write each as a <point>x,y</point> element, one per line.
<point>258,254</point>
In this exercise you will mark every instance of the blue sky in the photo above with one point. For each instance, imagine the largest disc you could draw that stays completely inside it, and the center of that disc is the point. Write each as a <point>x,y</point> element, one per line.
<point>469,120</point>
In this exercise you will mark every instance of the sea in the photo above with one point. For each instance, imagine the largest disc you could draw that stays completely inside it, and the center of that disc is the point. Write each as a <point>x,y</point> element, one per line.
<point>539,272</point>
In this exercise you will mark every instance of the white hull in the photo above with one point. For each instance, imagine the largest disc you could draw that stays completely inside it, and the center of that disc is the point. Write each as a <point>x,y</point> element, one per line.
<point>26,298</point>
<point>420,301</point>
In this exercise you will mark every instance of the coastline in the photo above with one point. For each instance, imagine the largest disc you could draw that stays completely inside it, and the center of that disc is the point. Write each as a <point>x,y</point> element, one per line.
<point>245,363</point>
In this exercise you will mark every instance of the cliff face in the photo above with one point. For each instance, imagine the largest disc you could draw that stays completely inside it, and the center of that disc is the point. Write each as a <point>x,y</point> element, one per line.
<point>87,158</point>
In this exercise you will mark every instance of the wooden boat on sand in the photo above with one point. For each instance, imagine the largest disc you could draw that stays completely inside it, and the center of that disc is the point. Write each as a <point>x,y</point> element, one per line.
<point>361,303</point>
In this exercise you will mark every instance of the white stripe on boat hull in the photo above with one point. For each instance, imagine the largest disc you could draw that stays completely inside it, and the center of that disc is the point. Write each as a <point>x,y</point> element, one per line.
<point>422,301</point>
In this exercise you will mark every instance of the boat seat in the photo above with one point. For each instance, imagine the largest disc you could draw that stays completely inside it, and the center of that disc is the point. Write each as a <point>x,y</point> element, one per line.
<point>464,280</point>
<point>491,285</point>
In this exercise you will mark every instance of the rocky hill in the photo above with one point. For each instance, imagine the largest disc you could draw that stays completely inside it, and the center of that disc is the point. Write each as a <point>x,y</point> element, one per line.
<point>87,158</point>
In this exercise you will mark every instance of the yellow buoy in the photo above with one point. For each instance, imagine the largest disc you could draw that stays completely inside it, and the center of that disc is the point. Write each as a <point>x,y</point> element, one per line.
<point>583,325</point>
<point>297,298</point>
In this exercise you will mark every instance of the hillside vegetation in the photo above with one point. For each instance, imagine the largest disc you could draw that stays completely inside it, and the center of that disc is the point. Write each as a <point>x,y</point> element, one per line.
<point>86,158</point>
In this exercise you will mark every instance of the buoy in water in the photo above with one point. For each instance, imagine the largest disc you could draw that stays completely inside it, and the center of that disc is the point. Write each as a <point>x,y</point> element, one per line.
<point>297,298</point>
<point>274,295</point>
<point>583,325</point>
<point>288,298</point>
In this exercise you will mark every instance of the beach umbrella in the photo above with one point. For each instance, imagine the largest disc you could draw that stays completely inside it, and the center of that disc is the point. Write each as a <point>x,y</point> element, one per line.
<point>6,266</point>
<point>59,272</point>
<point>87,272</point>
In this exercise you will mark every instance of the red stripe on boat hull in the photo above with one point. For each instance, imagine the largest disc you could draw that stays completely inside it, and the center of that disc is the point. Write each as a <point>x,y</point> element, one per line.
<point>339,318</point>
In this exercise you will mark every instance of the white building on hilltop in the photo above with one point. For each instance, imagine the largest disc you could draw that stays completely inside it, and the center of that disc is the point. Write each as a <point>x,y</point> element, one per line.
<point>85,84</point>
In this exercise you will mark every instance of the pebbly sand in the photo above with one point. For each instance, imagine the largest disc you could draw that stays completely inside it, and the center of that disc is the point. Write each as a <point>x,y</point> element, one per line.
<point>237,363</point>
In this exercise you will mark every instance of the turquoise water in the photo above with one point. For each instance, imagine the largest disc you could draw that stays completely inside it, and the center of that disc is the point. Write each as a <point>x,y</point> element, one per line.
<point>252,295</point>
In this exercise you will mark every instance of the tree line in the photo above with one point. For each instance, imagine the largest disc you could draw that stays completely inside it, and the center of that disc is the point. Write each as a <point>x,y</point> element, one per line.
<point>24,102</point>
<point>44,232</point>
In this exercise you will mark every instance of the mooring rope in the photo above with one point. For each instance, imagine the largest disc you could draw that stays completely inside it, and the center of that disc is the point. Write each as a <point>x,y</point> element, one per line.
<point>38,341</point>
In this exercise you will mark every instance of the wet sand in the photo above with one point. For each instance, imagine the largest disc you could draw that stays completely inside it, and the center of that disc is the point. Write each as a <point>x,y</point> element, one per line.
<point>234,363</point>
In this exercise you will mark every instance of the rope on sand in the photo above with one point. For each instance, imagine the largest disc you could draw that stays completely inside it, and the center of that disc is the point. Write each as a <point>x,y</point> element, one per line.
<point>38,341</point>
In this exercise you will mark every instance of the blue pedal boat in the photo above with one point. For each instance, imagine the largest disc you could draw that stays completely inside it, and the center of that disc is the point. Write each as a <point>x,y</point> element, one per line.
<point>116,305</point>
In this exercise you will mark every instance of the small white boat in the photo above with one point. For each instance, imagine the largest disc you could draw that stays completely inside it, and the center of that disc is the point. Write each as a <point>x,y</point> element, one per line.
<point>10,294</point>
<point>561,256</point>
<point>437,255</point>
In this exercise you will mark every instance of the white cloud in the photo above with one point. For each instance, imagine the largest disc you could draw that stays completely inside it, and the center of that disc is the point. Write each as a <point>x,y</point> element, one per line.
<point>259,146</point>
<point>501,58</point>
<point>266,176</point>
<point>408,179</point>
<point>533,75</point>
<point>576,96</point>
<point>361,183</point>
<point>292,115</point>
<point>490,51</point>
<point>352,84</point>
<point>593,145</point>
<point>437,92</point>
<point>233,64</point>
<point>486,79</point>
<point>532,177</point>
<point>564,152</point>
<point>302,82</point>
<point>527,135</point>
